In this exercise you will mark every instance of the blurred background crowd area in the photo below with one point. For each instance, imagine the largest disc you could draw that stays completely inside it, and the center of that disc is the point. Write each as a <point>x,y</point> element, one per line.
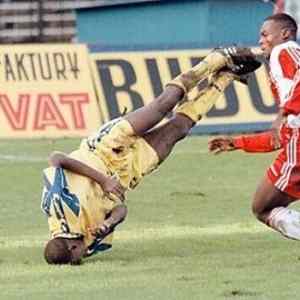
<point>38,21</point>
<point>42,21</point>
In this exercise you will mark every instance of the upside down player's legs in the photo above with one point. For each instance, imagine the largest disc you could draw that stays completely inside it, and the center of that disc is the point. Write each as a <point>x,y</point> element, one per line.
<point>212,63</point>
<point>148,116</point>
<point>163,138</point>
<point>204,101</point>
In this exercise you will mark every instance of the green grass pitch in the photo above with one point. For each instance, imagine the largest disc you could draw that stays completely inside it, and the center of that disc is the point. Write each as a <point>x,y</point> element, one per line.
<point>189,234</point>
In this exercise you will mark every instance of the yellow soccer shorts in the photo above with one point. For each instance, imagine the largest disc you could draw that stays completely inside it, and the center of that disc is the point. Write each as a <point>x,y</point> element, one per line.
<point>125,154</point>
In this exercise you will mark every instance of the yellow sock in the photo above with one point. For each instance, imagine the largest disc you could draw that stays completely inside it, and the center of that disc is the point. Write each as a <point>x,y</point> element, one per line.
<point>210,64</point>
<point>205,99</point>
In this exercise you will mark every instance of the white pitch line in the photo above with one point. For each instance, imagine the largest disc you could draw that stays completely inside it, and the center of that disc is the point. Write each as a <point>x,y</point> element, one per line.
<point>21,158</point>
<point>29,158</point>
<point>149,234</point>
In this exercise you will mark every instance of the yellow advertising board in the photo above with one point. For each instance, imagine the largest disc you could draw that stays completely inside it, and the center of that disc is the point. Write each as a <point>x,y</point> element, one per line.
<point>46,91</point>
<point>128,80</point>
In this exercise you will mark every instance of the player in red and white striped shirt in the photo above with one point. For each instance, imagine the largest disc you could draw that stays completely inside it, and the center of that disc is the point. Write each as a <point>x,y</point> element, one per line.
<point>281,183</point>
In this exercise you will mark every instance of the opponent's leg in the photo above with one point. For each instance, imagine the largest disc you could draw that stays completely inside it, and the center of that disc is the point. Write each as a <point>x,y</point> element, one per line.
<point>270,207</point>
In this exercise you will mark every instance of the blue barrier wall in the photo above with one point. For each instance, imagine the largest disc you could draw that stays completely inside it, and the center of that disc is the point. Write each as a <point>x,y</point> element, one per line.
<point>173,24</point>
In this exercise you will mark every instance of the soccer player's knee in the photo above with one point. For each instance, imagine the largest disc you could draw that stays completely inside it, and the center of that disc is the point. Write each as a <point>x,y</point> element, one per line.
<point>254,210</point>
<point>59,252</point>
<point>182,127</point>
<point>257,210</point>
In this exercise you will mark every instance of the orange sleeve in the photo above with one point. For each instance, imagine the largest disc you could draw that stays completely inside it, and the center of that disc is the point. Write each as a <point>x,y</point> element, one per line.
<point>260,142</point>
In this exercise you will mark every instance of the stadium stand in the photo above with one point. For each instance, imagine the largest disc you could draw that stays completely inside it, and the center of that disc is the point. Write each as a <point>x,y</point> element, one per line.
<point>37,21</point>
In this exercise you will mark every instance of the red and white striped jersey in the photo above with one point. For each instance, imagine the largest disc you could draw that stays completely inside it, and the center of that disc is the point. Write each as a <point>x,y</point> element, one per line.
<point>285,76</point>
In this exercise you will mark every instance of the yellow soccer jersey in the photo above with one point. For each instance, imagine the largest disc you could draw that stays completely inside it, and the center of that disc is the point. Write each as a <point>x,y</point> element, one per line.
<point>128,156</point>
<point>74,203</point>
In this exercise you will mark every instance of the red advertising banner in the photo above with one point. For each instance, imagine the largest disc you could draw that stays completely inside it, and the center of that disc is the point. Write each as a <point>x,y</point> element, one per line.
<point>46,91</point>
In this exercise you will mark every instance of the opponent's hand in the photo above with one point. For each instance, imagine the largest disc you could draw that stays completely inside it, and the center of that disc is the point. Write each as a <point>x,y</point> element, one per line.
<point>221,144</point>
<point>276,139</point>
<point>112,188</point>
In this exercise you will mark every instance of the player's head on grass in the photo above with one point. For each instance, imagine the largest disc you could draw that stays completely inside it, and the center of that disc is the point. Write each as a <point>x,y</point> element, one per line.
<point>59,251</point>
<point>275,30</point>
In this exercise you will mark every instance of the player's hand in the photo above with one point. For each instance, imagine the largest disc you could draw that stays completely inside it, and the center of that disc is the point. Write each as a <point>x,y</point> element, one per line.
<point>112,188</point>
<point>102,230</point>
<point>276,139</point>
<point>221,144</point>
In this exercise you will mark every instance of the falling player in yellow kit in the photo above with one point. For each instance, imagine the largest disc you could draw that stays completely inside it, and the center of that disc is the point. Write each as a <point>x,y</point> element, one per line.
<point>83,195</point>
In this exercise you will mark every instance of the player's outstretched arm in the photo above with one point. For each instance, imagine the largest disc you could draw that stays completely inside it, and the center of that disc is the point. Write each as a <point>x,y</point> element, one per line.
<point>117,216</point>
<point>254,143</point>
<point>109,185</point>
<point>221,144</point>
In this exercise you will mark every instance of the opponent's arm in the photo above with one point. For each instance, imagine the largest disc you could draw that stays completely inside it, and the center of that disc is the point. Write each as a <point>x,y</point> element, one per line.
<point>267,141</point>
<point>276,126</point>
<point>260,142</point>
<point>108,184</point>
